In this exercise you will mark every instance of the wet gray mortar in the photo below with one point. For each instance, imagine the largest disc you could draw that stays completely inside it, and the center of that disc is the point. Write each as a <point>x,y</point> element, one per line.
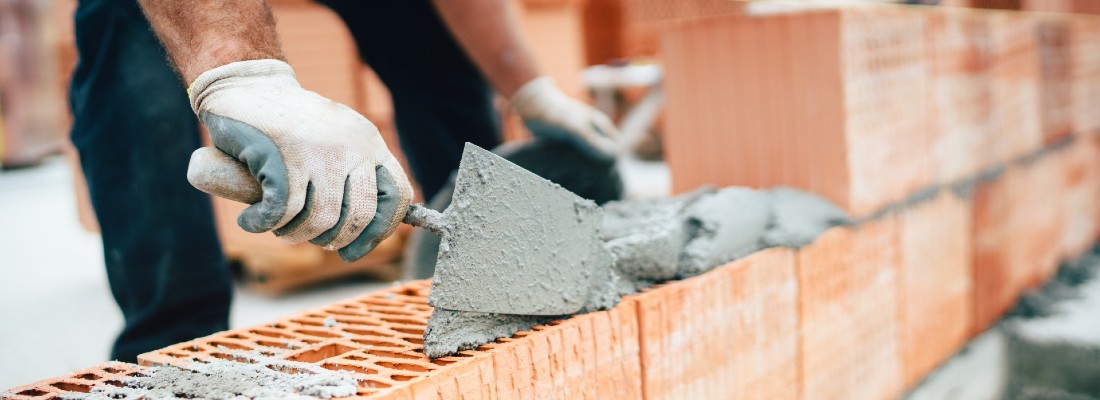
<point>657,240</point>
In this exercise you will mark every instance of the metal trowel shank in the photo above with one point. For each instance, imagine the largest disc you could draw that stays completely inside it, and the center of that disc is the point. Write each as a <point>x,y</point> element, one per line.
<point>516,243</point>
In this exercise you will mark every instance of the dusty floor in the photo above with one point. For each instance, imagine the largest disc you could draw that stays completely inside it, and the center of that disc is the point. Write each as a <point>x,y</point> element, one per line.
<point>56,313</point>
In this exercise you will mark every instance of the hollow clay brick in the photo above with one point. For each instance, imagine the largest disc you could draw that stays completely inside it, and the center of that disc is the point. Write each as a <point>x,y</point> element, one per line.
<point>1065,6</point>
<point>996,276</point>
<point>848,294</point>
<point>1014,86</point>
<point>985,99</point>
<point>730,333</point>
<point>933,282</point>
<point>621,29</point>
<point>1055,95</point>
<point>77,382</point>
<point>379,336</point>
<point>960,97</point>
<point>1042,217</point>
<point>1081,177</point>
<point>1009,254</point>
<point>1085,70</point>
<point>851,99</point>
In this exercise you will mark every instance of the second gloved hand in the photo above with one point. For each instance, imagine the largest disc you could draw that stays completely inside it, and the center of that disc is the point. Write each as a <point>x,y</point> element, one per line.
<point>327,176</point>
<point>541,101</point>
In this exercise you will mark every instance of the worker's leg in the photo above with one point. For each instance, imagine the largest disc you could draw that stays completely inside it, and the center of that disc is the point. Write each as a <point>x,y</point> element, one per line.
<point>135,133</point>
<point>440,98</point>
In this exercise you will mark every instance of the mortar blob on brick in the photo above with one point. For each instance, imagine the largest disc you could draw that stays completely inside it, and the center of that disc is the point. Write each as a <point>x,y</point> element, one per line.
<point>247,376</point>
<point>449,331</point>
<point>657,240</point>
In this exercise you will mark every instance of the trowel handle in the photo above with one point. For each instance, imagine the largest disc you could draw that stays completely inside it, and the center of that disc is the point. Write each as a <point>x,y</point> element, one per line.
<point>212,171</point>
<point>424,217</point>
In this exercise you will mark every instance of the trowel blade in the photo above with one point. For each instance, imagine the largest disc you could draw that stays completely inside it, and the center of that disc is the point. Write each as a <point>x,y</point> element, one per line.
<point>516,243</point>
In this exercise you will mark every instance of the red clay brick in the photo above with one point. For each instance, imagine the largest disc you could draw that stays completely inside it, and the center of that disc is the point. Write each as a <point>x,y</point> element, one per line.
<point>960,97</point>
<point>77,382</point>
<point>1041,214</point>
<point>1014,86</point>
<point>1085,69</point>
<point>851,98</point>
<point>995,287</point>
<point>730,333</point>
<point>1017,231</point>
<point>378,337</point>
<point>1068,6</point>
<point>1081,176</point>
<point>934,285</point>
<point>1055,95</point>
<point>847,283</point>
<point>618,29</point>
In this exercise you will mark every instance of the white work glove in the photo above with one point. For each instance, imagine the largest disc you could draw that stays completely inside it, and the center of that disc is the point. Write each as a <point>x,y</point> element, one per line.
<point>326,174</point>
<point>541,102</point>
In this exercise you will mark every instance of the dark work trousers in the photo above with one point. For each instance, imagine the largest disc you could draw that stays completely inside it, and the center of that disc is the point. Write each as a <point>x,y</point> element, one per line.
<point>440,99</point>
<point>135,131</point>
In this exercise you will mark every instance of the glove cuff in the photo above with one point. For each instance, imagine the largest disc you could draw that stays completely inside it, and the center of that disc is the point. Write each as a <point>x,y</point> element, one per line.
<point>525,97</point>
<point>226,75</point>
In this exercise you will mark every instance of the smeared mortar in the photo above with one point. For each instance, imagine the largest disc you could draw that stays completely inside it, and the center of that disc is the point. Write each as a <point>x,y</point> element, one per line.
<point>653,241</point>
<point>256,376</point>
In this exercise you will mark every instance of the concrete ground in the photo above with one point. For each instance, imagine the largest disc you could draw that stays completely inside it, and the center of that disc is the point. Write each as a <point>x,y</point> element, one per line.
<point>56,312</point>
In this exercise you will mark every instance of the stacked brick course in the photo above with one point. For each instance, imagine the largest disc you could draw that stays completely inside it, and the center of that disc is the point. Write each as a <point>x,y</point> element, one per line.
<point>839,93</point>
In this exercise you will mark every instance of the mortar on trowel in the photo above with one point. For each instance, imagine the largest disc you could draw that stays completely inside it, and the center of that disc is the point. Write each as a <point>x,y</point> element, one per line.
<point>513,244</point>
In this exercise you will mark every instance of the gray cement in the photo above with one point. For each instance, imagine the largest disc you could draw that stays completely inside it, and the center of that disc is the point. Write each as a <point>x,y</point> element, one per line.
<point>798,217</point>
<point>255,377</point>
<point>449,331</point>
<point>650,241</point>
<point>1053,341</point>
<point>723,226</point>
<point>526,246</point>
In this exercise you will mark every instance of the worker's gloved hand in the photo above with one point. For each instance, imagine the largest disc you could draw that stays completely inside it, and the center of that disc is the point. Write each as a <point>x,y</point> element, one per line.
<point>325,172</point>
<point>541,101</point>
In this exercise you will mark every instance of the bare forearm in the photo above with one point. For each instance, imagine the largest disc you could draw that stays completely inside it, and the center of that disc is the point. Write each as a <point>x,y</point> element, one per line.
<point>200,35</point>
<point>489,31</point>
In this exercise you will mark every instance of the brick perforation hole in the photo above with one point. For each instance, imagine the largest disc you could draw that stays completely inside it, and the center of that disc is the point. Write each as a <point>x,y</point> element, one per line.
<point>377,337</point>
<point>77,382</point>
<point>322,353</point>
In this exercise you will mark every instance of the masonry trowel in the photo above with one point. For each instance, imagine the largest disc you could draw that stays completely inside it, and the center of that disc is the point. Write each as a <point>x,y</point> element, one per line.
<point>512,242</point>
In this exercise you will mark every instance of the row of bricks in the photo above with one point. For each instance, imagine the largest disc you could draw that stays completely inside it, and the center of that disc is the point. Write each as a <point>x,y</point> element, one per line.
<point>867,105</point>
<point>623,29</point>
<point>876,306</point>
<point>863,312</point>
<point>1075,6</point>
<point>626,29</point>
